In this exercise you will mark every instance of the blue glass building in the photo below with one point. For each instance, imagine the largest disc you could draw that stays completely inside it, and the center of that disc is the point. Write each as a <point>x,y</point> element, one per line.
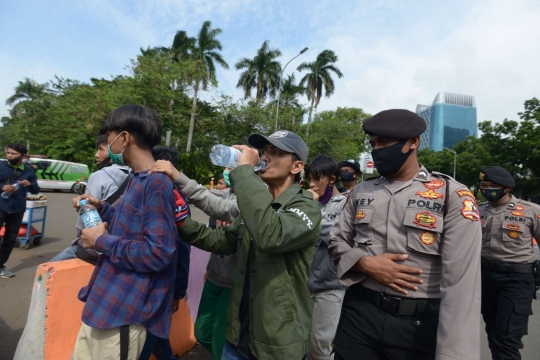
<point>450,119</point>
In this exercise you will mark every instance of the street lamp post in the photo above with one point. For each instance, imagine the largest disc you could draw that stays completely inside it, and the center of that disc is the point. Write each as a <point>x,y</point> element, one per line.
<point>455,157</point>
<point>280,81</point>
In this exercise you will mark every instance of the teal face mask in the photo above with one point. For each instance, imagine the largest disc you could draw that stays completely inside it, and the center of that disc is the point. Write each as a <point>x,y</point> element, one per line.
<point>117,159</point>
<point>226,178</point>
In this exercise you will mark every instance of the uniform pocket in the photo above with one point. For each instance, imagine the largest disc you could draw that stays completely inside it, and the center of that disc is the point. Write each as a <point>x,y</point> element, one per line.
<point>362,224</point>
<point>519,319</point>
<point>515,231</point>
<point>424,230</point>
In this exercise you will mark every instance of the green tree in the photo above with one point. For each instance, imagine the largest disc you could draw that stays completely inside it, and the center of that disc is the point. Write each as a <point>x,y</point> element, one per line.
<point>319,78</point>
<point>261,73</point>
<point>204,52</point>
<point>338,133</point>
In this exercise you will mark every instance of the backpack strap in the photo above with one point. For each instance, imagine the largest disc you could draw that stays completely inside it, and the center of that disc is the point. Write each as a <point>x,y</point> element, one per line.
<point>119,192</point>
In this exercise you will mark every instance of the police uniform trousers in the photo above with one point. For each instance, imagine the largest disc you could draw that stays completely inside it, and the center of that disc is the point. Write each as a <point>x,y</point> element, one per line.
<point>376,327</point>
<point>506,306</point>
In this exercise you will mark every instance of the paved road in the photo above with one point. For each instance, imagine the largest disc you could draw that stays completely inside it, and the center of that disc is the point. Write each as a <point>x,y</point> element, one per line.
<point>15,293</point>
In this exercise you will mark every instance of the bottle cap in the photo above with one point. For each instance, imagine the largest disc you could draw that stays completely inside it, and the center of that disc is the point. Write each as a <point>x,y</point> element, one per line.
<point>83,202</point>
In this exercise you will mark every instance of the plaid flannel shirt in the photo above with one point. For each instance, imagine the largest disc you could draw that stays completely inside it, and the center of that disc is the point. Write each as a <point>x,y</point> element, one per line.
<point>133,282</point>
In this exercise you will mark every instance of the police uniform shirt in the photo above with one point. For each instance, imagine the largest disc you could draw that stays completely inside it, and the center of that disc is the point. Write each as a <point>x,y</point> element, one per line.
<point>508,230</point>
<point>409,218</point>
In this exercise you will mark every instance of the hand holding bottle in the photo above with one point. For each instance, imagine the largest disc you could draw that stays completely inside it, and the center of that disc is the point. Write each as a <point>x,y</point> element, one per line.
<point>91,200</point>
<point>90,235</point>
<point>249,156</point>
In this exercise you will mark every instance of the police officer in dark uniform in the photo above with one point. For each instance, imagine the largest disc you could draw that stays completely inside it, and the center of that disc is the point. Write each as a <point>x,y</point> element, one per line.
<point>508,227</point>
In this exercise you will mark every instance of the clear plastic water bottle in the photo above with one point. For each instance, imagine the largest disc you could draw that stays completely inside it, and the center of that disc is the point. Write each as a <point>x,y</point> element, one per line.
<point>5,194</point>
<point>226,156</point>
<point>89,215</point>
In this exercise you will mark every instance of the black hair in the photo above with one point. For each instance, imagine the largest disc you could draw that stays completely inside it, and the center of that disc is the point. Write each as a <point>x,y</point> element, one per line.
<point>165,153</point>
<point>18,148</point>
<point>323,166</point>
<point>139,121</point>
<point>102,139</point>
<point>220,176</point>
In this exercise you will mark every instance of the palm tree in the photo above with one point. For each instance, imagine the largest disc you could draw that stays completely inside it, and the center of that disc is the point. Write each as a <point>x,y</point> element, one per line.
<point>290,91</point>
<point>318,78</point>
<point>205,49</point>
<point>28,90</point>
<point>261,73</point>
<point>182,45</point>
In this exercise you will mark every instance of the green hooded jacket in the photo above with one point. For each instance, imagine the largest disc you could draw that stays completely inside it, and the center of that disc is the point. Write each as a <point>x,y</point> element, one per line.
<point>284,232</point>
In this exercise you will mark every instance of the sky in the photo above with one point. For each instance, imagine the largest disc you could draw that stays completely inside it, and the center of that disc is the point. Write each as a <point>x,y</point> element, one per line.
<point>393,54</point>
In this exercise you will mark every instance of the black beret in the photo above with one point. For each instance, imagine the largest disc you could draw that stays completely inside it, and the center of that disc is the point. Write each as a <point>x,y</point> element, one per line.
<point>395,124</point>
<point>497,175</point>
<point>351,163</point>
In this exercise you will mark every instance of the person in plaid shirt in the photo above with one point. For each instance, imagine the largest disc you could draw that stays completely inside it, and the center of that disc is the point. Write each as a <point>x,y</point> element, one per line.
<point>131,289</point>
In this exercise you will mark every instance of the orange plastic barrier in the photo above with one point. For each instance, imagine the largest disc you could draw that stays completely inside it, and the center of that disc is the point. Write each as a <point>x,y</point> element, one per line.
<point>62,281</point>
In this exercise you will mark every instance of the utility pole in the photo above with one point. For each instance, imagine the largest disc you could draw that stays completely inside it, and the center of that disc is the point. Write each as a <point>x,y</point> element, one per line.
<point>280,81</point>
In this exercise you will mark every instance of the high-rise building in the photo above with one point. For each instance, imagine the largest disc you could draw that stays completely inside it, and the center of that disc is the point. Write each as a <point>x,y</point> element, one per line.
<point>450,119</point>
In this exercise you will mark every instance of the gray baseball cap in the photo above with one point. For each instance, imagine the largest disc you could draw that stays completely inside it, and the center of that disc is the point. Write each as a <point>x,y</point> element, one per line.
<point>283,140</point>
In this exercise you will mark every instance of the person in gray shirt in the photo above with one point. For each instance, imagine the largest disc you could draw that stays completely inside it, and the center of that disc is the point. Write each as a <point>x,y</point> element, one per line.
<point>326,290</point>
<point>101,184</point>
<point>211,324</point>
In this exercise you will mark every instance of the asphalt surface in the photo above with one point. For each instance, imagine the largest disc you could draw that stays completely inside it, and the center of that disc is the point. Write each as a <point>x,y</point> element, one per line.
<point>60,230</point>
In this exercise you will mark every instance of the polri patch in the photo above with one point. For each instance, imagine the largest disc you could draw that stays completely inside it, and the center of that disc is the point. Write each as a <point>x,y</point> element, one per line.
<point>517,213</point>
<point>430,194</point>
<point>512,226</point>
<point>425,219</point>
<point>434,184</point>
<point>360,215</point>
<point>514,234</point>
<point>469,210</point>
<point>463,193</point>
<point>427,237</point>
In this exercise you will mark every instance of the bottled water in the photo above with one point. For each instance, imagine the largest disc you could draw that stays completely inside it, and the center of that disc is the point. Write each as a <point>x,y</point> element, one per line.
<point>5,194</point>
<point>226,156</point>
<point>89,215</point>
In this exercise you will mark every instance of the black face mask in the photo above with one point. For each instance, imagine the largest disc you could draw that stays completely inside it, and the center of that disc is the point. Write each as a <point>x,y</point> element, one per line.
<point>14,162</point>
<point>493,194</point>
<point>104,164</point>
<point>347,177</point>
<point>390,159</point>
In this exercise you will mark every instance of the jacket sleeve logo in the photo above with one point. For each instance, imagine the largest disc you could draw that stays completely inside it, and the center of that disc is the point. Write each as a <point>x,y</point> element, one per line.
<point>430,194</point>
<point>425,219</point>
<point>360,215</point>
<point>427,237</point>
<point>470,211</point>
<point>434,184</point>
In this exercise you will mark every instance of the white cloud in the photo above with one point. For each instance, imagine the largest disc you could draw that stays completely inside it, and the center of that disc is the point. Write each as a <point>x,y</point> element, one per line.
<point>492,53</point>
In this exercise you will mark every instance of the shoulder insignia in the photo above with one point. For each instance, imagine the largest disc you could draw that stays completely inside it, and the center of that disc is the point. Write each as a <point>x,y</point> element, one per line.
<point>426,219</point>
<point>517,213</point>
<point>360,215</point>
<point>427,237</point>
<point>469,210</point>
<point>520,208</point>
<point>434,184</point>
<point>463,193</point>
